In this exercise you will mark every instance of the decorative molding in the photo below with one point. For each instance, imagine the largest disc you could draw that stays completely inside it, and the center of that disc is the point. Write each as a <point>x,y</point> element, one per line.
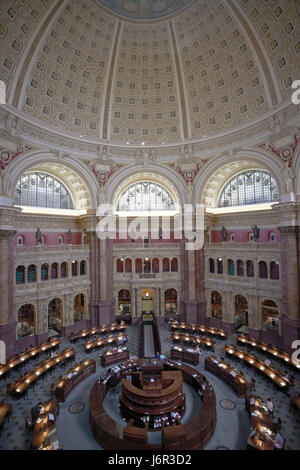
<point>190,174</point>
<point>103,175</point>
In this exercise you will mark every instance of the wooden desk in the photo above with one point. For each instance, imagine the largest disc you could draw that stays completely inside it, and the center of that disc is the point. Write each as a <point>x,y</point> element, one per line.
<point>193,340</point>
<point>25,356</point>
<point>74,376</point>
<point>17,389</point>
<point>295,402</point>
<point>109,357</point>
<point>225,372</point>
<point>273,351</point>
<point>201,329</point>
<point>272,373</point>
<point>198,432</point>
<point>114,328</point>
<point>192,357</point>
<point>261,423</point>
<point>101,342</point>
<point>5,412</point>
<point>44,432</point>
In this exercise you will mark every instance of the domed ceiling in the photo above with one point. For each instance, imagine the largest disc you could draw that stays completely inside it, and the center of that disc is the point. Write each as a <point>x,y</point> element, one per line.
<point>144,9</point>
<point>212,67</point>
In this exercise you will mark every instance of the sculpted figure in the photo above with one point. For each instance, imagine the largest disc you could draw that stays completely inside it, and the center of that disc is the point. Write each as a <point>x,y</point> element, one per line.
<point>224,234</point>
<point>289,177</point>
<point>38,237</point>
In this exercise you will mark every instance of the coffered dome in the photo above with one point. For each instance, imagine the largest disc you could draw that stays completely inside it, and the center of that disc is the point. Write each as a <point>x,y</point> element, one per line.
<point>207,69</point>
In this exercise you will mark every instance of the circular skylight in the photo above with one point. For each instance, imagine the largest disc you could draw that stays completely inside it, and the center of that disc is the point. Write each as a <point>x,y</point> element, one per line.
<point>144,9</point>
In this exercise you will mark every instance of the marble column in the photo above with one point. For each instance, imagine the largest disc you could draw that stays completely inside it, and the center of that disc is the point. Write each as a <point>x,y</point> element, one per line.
<point>290,316</point>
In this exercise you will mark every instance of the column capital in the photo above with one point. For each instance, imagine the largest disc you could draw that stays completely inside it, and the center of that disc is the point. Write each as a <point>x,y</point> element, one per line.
<point>286,229</point>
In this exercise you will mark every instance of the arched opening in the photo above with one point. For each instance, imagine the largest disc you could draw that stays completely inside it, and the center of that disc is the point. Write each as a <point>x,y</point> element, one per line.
<point>155,265</point>
<point>82,268</point>
<point>138,266</point>
<point>124,302</point>
<point>216,305</point>
<point>79,307</point>
<point>211,264</point>
<point>166,265</point>
<point>220,266</point>
<point>250,268</point>
<point>274,270</point>
<point>174,265</point>
<point>20,275</point>
<point>230,265</point>
<point>26,321</point>
<point>270,315</point>
<point>74,268</point>
<point>263,270</point>
<point>147,301</point>
<point>128,265</point>
<point>63,270</point>
<point>171,301</point>
<point>55,316</point>
<point>54,271</point>
<point>241,312</point>
<point>45,272</point>
<point>120,265</point>
<point>147,266</point>
<point>240,267</point>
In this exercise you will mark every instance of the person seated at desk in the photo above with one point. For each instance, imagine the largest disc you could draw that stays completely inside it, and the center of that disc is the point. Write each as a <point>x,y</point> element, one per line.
<point>36,411</point>
<point>52,355</point>
<point>267,362</point>
<point>278,441</point>
<point>253,385</point>
<point>270,406</point>
<point>197,350</point>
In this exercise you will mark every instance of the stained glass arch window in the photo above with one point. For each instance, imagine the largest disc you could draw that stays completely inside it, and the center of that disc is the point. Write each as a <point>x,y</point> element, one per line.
<point>249,187</point>
<point>40,189</point>
<point>145,196</point>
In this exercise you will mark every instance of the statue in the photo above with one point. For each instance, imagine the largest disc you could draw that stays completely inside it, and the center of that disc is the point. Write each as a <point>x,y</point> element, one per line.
<point>190,192</point>
<point>38,237</point>
<point>288,174</point>
<point>144,156</point>
<point>224,234</point>
<point>69,237</point>
<point>255,231</point>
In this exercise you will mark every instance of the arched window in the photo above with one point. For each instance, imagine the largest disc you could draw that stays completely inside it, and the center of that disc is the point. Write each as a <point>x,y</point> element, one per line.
<point>147,266</point>
<point>249,187</point>
<point>82,268</point>
<point>274,270</point>
<point>138,266</point>
<point>220,266</point>
<point>120,265</point>
<point>155,265</point>
<point>230,265</point>
<point>166,265</point>
<point>60,240</point>
<point>250,268</point>
<point>54,271</point>
<point>63,270</point>
<point>20,275</point>
<point>42,190</point>
<point>44,272</point>
<point>263,270</point>
<point>250,237</point>
<point>128,265</point>
<point>174,265</point>
<point>232,237</point>
<point>211,265</point>
<point>79,304</point>
<point>240,268</point>
<point>74,268</point>
<point>124,302</point>
<point>145,196</point>
<point>31,273</point>
<point>272,237</point>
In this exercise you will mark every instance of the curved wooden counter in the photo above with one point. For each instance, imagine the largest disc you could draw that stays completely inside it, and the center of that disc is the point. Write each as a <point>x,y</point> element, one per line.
<point>74,376</point>
<point>191,436</point>
<point>227,373</point>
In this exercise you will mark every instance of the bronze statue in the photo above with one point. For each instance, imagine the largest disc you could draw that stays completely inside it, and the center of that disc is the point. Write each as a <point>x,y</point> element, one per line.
<point>38,237</point>
<point>224,234</point>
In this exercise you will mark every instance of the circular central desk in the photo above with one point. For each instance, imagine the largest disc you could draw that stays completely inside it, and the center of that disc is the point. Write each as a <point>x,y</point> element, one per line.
<point>193,435</point>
